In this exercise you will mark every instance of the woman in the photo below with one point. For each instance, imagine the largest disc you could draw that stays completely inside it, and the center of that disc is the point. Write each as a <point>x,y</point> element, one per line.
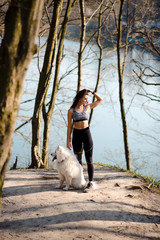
<point>78,113</point>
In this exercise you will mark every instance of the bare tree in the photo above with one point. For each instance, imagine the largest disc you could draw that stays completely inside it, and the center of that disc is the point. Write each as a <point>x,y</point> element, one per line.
<point>17,48</point>
<point>41,107</point>
<point>100,57</point>
<point>48,114</point>
<point>43,85</point>
<point>121,67</point>
<point>82,42</point>
<point>147,73</point>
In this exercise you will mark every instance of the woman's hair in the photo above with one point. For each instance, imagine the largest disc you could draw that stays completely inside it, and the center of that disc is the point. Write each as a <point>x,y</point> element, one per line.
<point>78,96</point>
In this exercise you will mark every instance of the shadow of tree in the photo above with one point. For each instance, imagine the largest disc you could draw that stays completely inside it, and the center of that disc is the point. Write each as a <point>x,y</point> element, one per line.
<point>44,181</point>
<point>80,216</point>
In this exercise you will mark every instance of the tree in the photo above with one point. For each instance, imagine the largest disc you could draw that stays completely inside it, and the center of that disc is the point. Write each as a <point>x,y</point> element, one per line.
<point>48,114</point>
<point>43,85</point>
<point>148,31</point>
<point>82,41</point>
<point>120,75</point>
<point>55,39</point>
<point>3,9</point>
<point>17,48</point>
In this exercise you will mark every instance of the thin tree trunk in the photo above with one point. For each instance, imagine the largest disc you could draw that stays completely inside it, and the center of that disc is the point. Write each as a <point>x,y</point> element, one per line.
<point>43,85</point>
<point>48,115</point>
<point>121,98</point>
<point>82,41</point>
<point>100,59</point>
<point>17,49</point>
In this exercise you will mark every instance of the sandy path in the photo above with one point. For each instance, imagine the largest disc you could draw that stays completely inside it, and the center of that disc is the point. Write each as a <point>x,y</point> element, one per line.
<point>33,209</point>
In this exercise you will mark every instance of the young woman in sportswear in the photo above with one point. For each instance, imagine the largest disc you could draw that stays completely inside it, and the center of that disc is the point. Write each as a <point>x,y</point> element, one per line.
<point>81,138</point>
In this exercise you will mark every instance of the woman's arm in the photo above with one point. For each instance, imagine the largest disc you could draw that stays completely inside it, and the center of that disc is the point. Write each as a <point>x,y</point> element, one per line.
<point>69,128</point>
<point>97,102</point>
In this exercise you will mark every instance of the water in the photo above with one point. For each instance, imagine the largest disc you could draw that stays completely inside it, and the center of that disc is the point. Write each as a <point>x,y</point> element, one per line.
<point>106,127</point>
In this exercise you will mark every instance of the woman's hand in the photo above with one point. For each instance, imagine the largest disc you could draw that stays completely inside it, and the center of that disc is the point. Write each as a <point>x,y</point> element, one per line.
<point>99,99</point>
<point>69,145</point>
<point>89,90</point>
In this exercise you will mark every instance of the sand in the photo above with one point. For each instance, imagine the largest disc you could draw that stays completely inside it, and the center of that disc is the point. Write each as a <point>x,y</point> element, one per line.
<point>122,207</point>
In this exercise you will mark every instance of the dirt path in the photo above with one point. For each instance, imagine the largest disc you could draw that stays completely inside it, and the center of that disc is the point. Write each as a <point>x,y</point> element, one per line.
<point>33,209</point>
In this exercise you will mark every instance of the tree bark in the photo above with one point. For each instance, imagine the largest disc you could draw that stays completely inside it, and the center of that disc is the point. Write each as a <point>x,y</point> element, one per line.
<point>43,85</point>
<point>17,49</point>
<point>100,59</point>
<point>82,41</point>
<point>121,98</point>
<point>48,115</point>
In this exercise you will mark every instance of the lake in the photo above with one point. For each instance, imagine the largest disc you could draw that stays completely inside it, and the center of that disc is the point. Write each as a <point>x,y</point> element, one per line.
<point>106,126</point>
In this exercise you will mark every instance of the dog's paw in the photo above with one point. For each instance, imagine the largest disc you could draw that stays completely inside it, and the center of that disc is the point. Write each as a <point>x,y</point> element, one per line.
<point>59,187</point>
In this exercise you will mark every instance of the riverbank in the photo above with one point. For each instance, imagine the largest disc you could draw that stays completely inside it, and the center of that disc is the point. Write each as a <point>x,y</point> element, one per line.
<point>122,207</point>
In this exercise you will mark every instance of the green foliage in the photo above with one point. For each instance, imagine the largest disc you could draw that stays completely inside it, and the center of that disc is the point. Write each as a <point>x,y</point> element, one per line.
<point>149,180</point>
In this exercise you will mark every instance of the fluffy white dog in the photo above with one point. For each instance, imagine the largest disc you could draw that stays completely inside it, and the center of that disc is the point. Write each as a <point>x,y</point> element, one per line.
<point>69,169</point>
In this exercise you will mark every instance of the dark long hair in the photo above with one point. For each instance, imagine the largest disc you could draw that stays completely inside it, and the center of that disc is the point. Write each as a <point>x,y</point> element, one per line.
<point>78,96</point>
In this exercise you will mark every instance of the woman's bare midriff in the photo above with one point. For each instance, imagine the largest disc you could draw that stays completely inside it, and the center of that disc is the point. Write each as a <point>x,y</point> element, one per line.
<point>81,124</point>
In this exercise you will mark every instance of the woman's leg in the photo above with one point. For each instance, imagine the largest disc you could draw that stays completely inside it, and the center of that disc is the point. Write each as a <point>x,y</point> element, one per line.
<point>90,166</point>
<point>88,147</point>
<point>77,144</point>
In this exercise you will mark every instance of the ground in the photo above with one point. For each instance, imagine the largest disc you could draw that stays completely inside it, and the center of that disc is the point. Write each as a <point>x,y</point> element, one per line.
<point>121,207</point>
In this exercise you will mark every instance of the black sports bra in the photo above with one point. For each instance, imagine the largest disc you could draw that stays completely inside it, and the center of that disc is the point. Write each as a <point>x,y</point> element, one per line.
<point>82,116</point>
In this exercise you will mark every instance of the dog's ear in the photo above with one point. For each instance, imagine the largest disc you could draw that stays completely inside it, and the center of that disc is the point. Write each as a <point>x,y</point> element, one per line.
<point>59,148</point>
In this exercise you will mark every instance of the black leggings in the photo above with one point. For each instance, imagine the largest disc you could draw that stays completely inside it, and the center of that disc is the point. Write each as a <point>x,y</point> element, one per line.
<point>82,138</point>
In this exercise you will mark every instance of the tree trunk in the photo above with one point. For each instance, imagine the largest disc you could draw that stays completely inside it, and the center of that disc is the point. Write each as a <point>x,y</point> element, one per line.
<point>43,85</point>
<point>17,49</point>
<point>121,99</point>
<point>82,41</point>
<point>100,59</point>
<point>48,115</point>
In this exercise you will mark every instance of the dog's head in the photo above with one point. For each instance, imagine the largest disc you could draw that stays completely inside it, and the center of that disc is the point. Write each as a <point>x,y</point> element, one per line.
<point>54,156</point>
<point>58,154</point>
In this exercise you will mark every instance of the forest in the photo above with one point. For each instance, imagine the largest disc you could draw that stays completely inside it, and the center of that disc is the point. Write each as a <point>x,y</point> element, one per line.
<point>111,25</point>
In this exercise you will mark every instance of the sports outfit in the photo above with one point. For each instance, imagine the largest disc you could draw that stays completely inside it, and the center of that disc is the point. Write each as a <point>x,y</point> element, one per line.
<point>82,139</point>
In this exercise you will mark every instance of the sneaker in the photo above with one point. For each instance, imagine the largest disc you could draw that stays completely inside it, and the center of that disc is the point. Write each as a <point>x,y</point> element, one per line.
<point>88,187</point>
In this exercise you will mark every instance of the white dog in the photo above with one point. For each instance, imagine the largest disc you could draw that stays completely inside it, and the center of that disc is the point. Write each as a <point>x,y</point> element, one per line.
<point>69,169</point>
